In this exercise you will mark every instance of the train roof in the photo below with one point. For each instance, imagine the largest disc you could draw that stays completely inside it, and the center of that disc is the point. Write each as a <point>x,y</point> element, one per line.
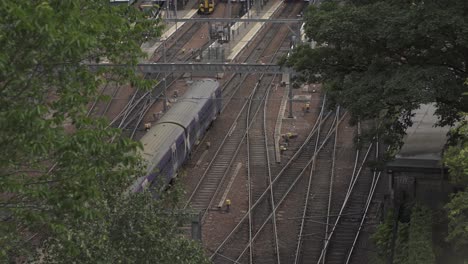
<point>184,111</point>
<point>158,141</point>
<point>163,134</point>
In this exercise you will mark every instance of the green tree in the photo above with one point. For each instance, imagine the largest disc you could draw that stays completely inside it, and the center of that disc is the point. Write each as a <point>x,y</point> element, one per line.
<point>420,248</point>
<point>456,158</point>
<point>382,239</point>
<point>62,173</point>
<point>458,221</point>
<point>413,239</point>
<point>139,229</point>
<point>382,59</point>
<point>401,245</point>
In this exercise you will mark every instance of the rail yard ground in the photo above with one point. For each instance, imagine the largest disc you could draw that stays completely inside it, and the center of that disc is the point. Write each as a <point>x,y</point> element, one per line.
<point>317,203</point>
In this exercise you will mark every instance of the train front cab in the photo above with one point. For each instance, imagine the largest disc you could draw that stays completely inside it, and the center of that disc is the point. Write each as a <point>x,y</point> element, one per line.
<point>166,170</point>
<point>206,7</point>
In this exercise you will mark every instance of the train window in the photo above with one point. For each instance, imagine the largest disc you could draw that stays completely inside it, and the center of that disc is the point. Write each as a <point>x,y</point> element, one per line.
<point>164,160</point>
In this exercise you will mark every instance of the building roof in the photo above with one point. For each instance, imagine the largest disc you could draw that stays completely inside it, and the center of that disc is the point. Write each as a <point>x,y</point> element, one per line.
<point>423,139</point>
<point>424,142</point>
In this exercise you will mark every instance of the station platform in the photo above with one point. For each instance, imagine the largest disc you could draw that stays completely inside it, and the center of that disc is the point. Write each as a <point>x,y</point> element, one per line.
<point>242,33</point>
<point>170,28</point>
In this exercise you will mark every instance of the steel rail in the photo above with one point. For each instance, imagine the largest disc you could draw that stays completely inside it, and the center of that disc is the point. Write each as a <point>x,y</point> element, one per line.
<point>320,182</point>
<point>131,105</point>
<point>249,182</point>
<point>130,114</point>
<point>146,107</point>
<point>249,169</point>
<point>117,89</point>
<point>375,181</point>
<point>284,195</point>
<point>348,194</point>
<point>266,191</point>
<point>123,111</point>
<point>93,105</point>
<point>233,126</point>
<point>332,175</point>
<point>299,243</point>
<point>268,166</point>
<point>252,56</point>
<point>275,232</point>
<point>234,156</point>
<point>279,175</point>
<point>161,90</point>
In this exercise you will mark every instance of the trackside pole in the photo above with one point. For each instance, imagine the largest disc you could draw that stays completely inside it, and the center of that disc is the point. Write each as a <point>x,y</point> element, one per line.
<point>196,227</point>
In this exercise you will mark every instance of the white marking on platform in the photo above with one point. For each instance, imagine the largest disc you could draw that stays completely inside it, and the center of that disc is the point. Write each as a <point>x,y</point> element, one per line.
<point>166,35</point>
<point>201,158</point>
<point>234,174</point>
<point>252,33</point>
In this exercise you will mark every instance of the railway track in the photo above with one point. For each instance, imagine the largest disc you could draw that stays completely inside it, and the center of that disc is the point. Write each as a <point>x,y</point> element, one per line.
<point>349,216</point>
<point>324,224</point>
<point>260,53</point>
<point>170,51</point>
<point>203,196</point>
<point>129,119</point>
<point>318,194</point>
<point>236,245</point>
<point>328,235</point>
<point>212,178</point>
<point>208,186</point>
<point>332,220</point>
<point>131,116</point>
<point>259,167</point>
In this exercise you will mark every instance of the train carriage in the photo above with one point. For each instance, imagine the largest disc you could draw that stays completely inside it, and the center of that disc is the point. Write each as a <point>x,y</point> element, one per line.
<point>170,141</point>
<point>206,7</point>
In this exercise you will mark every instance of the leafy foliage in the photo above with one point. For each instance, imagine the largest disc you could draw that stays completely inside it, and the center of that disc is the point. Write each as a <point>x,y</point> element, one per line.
<point>413,241</point>
<point>401,245</point>
<point>458,220</point>
<point>139,229</point>
<point>456,158</point>
<point>382,239</point>
<point>62,173</point>
<point>382,59</point>
<point>420,249</point>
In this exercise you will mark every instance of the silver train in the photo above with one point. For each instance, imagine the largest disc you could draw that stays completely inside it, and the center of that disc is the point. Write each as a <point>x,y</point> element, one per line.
<point>170,141</point>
